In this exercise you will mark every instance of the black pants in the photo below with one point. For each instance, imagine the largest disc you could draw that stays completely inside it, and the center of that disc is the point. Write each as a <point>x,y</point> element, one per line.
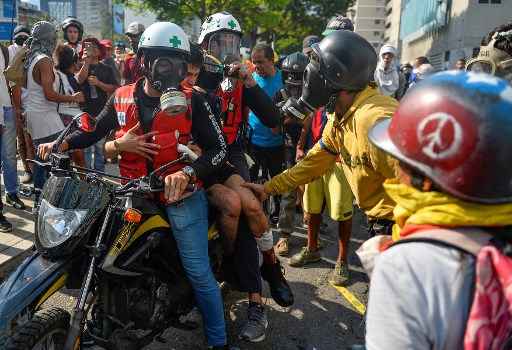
<point>270,160</point>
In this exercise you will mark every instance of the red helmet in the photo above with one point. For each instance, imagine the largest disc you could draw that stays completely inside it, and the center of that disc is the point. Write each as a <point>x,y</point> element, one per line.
<point>456,129</point>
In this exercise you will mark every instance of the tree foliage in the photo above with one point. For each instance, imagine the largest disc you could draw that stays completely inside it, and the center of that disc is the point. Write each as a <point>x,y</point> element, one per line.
<point>286,22</point>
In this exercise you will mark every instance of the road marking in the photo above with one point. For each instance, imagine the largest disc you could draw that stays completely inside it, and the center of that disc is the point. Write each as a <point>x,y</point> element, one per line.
<point>351,298</point>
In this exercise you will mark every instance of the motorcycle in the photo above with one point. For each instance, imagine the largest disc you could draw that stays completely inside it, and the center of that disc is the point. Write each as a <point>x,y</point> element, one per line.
<point>113,243</point>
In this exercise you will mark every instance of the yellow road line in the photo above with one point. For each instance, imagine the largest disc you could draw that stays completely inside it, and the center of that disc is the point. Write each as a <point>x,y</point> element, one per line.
<point>351,298</point>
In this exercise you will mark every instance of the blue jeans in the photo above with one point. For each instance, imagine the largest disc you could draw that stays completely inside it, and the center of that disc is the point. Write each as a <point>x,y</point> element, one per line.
<point>99,158</point>
<point>40,174</point>
<point>189,223</point>
<point>9,162</point>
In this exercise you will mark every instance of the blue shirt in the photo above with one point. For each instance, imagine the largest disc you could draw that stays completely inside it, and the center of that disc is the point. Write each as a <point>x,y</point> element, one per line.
<point>260,134</point>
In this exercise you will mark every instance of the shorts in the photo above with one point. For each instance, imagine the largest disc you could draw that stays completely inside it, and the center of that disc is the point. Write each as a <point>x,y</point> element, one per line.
<point>333,189</point>
<point>220,176</point>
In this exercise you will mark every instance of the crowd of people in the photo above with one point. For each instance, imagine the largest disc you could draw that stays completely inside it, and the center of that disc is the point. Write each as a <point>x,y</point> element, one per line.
<point>424,155</point>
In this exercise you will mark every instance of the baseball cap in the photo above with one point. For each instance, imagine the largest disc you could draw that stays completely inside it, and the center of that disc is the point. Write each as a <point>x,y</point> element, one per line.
<point>308,41</point>
<point>135,28</point>
<point>338,23</point>
<point>106,43</point>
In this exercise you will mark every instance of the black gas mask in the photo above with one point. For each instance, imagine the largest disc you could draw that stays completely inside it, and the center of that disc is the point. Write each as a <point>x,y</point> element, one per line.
<point>20,39</point>
<point>166,74</point>
<point>211,75</point>
<point>316,92</point>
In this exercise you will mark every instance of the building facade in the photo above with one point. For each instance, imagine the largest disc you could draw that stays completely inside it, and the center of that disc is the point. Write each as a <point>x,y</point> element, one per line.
<point>58,10</point>
<point>392,25</point>
<point>96,15</point>
<point>369,17</point>
<point>29,14</point>
<point>447,30</point>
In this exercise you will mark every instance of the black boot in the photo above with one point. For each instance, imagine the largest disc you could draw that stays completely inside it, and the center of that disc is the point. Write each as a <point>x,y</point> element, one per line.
<point>279,288</point>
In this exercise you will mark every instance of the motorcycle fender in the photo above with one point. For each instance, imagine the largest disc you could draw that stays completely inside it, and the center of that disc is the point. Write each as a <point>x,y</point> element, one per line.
<point>34,281</point>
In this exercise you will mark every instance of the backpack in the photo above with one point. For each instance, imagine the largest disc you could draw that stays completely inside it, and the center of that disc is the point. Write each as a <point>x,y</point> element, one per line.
<point>16,72</point>
<point>489,325</point>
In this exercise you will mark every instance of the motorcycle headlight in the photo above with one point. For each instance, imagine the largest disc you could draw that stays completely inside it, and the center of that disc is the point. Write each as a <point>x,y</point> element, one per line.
<point>56,225</point>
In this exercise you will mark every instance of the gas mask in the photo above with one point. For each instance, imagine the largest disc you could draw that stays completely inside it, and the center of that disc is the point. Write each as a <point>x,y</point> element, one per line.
<point>211,74</point>
<point>316,93</point>
<point>20,39</point>
<point>492,61</point>
<point>166,74</point>
<point>224,46</point>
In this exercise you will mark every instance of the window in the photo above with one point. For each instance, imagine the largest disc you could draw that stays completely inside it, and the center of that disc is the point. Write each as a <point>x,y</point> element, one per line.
<point>376,33</point>
<point>495,1</point>
<point>446,56</point>
<point>476,51</point>
<point>483,1</point>
<point>377,21</point>
<point>491,1</point>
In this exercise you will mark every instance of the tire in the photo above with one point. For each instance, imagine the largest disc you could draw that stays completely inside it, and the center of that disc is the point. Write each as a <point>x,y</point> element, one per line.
<point>47,326</point>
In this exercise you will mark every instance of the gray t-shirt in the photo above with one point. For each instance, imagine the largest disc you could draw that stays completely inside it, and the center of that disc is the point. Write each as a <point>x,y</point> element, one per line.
<point>420,295</point>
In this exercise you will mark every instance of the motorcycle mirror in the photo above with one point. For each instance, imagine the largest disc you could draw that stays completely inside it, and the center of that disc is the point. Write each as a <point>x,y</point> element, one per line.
<point>85,122</point>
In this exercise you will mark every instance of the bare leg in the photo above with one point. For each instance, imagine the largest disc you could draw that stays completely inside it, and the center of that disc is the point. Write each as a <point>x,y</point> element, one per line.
<point>344,233</point>
<point>314,221</point>
<point>228,204</point>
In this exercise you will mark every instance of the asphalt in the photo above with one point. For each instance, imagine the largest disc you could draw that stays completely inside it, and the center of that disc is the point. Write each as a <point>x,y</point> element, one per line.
<point>322,318</point>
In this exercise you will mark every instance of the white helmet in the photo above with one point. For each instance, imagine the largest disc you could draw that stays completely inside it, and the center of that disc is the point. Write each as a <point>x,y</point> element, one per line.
<point>165,35</point>
<point>217,22</point>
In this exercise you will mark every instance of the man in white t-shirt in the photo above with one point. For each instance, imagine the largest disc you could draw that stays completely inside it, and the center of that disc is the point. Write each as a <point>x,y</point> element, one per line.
<point>43,121</point>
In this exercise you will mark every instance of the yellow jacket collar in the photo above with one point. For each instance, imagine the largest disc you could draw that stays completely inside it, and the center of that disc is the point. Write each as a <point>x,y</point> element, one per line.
<point>358,101</point>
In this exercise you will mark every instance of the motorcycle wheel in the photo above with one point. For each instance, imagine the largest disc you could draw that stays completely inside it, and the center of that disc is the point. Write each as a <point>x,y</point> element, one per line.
<point>45,331</point>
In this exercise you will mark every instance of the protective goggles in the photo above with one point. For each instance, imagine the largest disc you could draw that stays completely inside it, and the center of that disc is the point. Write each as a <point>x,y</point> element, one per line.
<point>223,45</point>
<point>212,65</point>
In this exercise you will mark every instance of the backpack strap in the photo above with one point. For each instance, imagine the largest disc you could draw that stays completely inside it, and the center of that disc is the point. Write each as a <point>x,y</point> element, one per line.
<point>469,241</point>
<point>5,53</point>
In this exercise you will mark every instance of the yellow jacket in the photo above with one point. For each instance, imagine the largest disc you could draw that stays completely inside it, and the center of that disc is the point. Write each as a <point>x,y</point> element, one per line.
<point>364,165</point>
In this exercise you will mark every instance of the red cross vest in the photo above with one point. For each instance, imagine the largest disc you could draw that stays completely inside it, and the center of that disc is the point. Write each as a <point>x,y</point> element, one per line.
<point>232,111</point>
<point>170,130</point>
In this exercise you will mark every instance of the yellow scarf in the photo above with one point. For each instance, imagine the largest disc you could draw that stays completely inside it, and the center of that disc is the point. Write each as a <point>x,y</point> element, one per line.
<point>440,209</point>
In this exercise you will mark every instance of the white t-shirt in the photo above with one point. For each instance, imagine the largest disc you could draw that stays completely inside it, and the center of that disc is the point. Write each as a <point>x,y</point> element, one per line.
<point>5,98</point>
<point>419,298</point>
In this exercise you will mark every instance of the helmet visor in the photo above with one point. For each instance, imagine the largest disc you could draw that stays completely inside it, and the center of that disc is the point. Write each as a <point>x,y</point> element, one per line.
<point>224,45</point>
<point>481,66</point>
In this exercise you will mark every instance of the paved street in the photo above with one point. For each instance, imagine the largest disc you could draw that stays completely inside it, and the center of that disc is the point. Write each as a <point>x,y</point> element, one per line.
<point>321,318</point>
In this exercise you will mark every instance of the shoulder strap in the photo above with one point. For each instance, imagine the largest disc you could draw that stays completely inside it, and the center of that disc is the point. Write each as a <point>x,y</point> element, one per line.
<point>5,53</point>
<point>465,240</point>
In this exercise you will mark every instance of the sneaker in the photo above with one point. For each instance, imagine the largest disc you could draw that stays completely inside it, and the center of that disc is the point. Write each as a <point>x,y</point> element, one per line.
<point>256,326</point>
<point>279,287</point>
<point>340,275</point>
<point>26,178</point>
<point>15,201</point>
<point>5,226</point>
<point>305,256</point>
<point>282,246</point>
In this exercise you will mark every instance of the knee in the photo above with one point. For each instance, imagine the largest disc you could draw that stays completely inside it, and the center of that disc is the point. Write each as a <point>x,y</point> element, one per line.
<point>231,205</point>
<point>252,208</point>
<point>201,278</point>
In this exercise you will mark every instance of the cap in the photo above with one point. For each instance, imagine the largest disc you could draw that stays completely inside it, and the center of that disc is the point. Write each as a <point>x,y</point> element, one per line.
<point>338,23</point>
<point>135,28</point>
<point>106,43</point>
<point>308,41</point>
